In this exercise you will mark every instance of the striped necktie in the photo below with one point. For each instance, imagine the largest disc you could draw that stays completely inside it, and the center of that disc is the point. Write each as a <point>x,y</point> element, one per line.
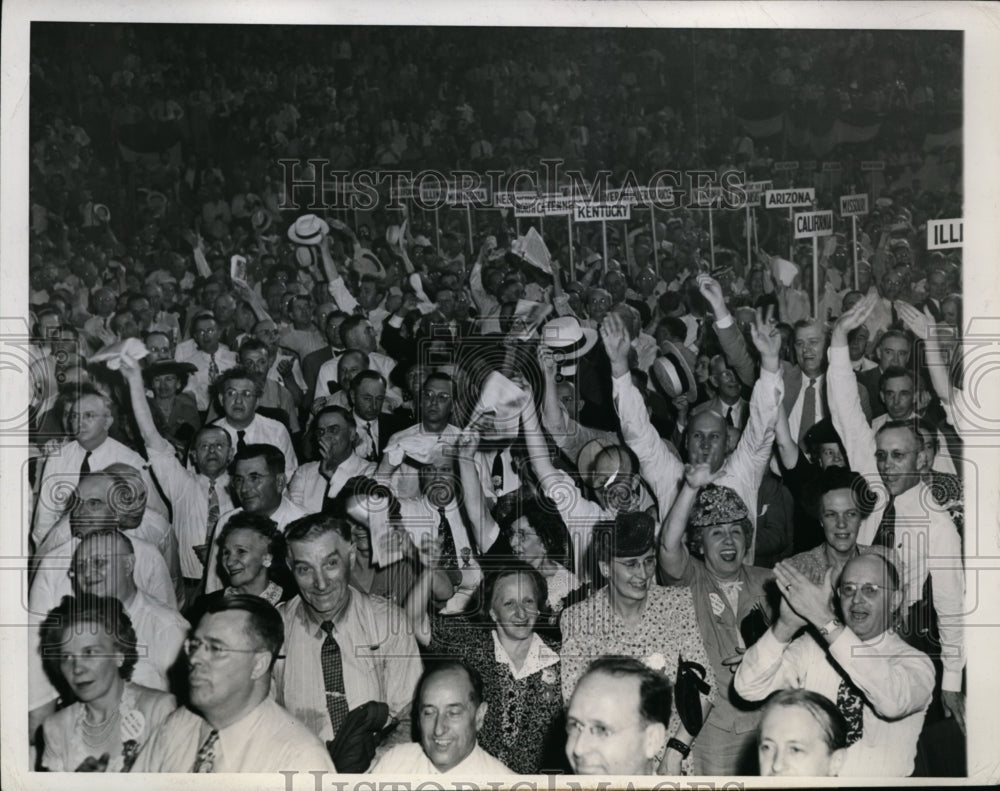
<point>333,678</point>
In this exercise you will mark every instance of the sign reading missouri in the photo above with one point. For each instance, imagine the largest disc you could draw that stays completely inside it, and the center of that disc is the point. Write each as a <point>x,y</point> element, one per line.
<point>595,212</point>
<point>783,199</point>
<point>854,205</point>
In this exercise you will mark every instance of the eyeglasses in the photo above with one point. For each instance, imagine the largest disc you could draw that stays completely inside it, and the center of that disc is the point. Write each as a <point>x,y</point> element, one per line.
<point>212,446</point>
<point>433,397</point>
<point>231,393</point>
<point>87,415</point>
<point>597,731</point>
<point>322,431</point>
<point>213,650</point>
<point>896,455</point>
<point>868,589</point>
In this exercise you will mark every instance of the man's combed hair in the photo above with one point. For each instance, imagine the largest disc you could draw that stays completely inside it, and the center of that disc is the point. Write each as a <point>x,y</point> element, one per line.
<point>821,708</point>
<point>265,621</point>
<point>273,457</point>
<point>654,687</point>
<point>312,526</point>
<point>435,666</point>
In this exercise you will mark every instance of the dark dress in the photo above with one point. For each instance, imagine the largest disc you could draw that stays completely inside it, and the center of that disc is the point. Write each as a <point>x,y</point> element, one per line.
<point>523,717</point>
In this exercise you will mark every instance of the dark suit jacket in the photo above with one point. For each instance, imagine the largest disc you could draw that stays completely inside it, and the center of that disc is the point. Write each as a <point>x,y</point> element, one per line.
<point>869,381</point>
<point>311,364</point>
<point>792,375</point>
<point>387,426</point>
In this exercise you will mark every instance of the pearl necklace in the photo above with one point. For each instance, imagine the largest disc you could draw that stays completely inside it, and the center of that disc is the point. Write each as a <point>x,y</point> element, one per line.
<point>96,735</point>
<point>131,727</point>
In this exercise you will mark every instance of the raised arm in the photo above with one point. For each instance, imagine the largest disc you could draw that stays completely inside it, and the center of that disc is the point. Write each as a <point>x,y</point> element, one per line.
<point>734,345</point>
<point>485,530</point>
<point>659,467</point>
<point>151,437</point>
<point>788,449</point>
<point>673,553</point>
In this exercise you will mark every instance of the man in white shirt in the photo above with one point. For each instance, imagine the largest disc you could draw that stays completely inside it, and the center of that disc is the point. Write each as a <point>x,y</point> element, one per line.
<point>239,391</point>
<point>881,685</point>
<point>334,433</point>
<point>901,392</point>
<point>89,418</point>
<point>199,496</point>
<point>451,711</point>
<point>905,518</point>
<point>332,623</point>
<point>209,356</point>
<point>413,446</point>
<point>233,724</point>
<point>258,480</point>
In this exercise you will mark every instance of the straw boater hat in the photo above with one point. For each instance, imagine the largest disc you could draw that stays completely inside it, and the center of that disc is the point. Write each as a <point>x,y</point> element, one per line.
<point>673,372</point>
<point>260,220</point>
<point>308,229</point>
<point>568,342</point>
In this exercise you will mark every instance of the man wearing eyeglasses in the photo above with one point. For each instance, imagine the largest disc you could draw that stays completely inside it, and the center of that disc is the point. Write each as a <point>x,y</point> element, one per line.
<point>920,534</point>
<point>617,719</point>
<point>232,723</point>
<point>89,420</point>
<point>334,435</point>
<point>412,445</point>
<point>239,392</point>
<point>881,685</point>
<point>197,496</point>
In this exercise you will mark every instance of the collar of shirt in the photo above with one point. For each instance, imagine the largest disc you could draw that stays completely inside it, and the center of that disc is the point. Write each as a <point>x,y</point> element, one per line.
<point>818,378</point>
<point>234,737</point>
<point>311,620</point>
<point>539,656</point>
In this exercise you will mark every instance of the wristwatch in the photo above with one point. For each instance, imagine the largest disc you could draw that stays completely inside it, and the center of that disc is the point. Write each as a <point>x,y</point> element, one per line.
<point>831,626</point>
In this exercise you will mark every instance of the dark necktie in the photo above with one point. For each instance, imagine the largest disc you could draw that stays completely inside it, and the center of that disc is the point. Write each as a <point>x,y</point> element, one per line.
<point>205,761</point>
<point>808,410</point>
<point>85,467</point>
<point>241,441</point>
<point>496,473</point>
<point>373,454</point>
<point>886,534</point>
<point>333,678</point>
<point>729,417</point>
<point>852,706</point>
<point>213,369</point>
<point>449,557</point>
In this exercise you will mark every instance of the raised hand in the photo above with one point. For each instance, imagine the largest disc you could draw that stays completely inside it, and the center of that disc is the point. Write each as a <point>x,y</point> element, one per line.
<point>698,475</point>
<point>767,339</point>
<point>546,361</point>
<point>712,292</point>
<point>809,600</point>
<point>852,319</point>
<point>918,323</point>
<point>616,342</point>
<point>468,442</point>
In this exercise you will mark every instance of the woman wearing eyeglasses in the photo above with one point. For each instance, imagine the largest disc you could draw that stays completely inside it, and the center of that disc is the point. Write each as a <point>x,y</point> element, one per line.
<point>731,605</point>
<point>520,669</point>
<point>89,649</point>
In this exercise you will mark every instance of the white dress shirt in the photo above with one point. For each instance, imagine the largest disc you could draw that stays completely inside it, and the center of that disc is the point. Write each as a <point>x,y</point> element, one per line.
<point>267,431</point>
<point>187,491</point>
<point>199,383</point>
<point>61,474</point>
<point>659,465</point>
<point>895,680</point>
<point>926,538</point>
<point>410,759</point>
<point>795,416</point>
<point>267,740</point>
<point>942,459</point>
<point>308,488</point>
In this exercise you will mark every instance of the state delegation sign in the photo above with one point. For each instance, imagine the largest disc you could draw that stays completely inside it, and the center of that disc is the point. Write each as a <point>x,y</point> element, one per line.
<point>811,224</point>
<point>854,205</point>
<point>596,212</point>
<point>791,198</point>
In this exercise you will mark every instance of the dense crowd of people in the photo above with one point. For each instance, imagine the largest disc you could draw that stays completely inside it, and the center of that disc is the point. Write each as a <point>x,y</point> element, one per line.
<point>383,491</point>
